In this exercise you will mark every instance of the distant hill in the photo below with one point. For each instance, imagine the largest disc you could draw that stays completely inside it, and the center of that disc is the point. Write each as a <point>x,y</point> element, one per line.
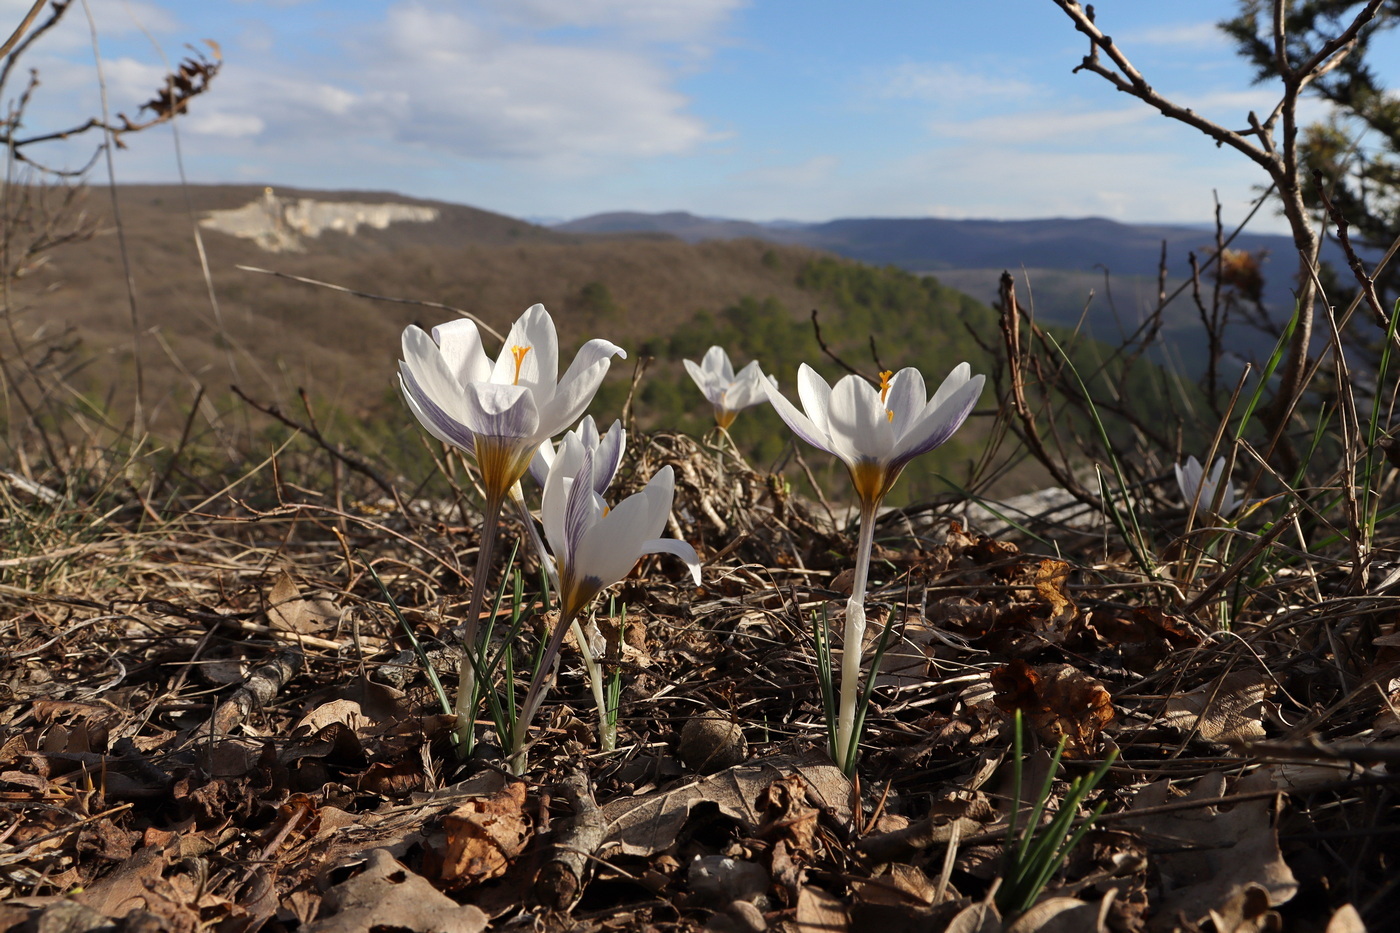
<point>1060,262</point>
<point>655,295</point>
<point>931,244</point>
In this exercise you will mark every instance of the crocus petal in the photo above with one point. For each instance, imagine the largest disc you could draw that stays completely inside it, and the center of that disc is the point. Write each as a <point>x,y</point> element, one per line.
<point>437,422</point>
<point>934,428</point>
<point>608,459</point>
<point>799,423</point>
<point>708,383</point>
<point>955,380</point>
<point>608,550</point>
<point>1214,479</point>
<point>581,511</point>
<point>680,549</point>
<point>553,503</point>
<point>541,462</point>
<point>533,339</point>
<point>906,399</point>
<point>859,421</point>
<point>659,493</point>
<point>815,395</point>
<point>579,385</point>
<point>716,361</point>
<point>460,345</point>
<point>492,410</point>
<point>432,378</point>
<point>587,432</point>
<point>745,390</point>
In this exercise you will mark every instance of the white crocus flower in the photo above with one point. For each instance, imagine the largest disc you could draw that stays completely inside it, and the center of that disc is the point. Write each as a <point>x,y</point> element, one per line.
<point>607,450</point>
<point>607,454</point>
<point>728,393</point>
<point>594,547</point>
<point>875,432</point>
<point>1198,489</point>
<point>500,412</point>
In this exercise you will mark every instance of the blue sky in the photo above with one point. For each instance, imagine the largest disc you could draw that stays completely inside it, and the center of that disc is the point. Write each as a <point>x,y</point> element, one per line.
<point>757,109</point>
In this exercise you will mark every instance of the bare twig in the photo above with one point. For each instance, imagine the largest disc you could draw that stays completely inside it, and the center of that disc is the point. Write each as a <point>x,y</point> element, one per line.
<point>373,297</point>
<point>817,330</point>
<point>22,28</point>
<point>335,450</point>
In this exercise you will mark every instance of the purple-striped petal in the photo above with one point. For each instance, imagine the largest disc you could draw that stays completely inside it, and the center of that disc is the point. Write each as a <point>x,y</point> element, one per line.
<point>938,425</point>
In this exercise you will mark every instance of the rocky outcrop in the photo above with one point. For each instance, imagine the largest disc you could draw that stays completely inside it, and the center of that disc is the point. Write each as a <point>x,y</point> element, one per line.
<point>283,225</point>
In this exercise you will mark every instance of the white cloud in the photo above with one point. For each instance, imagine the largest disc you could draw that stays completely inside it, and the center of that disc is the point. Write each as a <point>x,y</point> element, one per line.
<point>949,84</point>
<point>809,173</point>
<point>1194,36</point>
<point>1062,126</point>
<point>440,79</point>
<point>657,20</point>
<point>230,125</point>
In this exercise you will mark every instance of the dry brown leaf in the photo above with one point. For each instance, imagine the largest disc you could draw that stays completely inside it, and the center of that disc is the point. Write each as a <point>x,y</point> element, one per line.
<point>387,896</point>
<point>1143,636</point>
<point>976,918</point>
<point>647,825</point>
<point>288,611</point>
<point>818,912</point>
<point>1212,854</point>
<point>1247,911</point>
<point>1057,700</point>
<point>897,899</point>
<point>906,659</point>
<point>485,835</point>
<point>1064,915</point>
<point>394,826</point>
<point>344,711</point>
<point>1346,920</point>
<point>126,889</point>
<point>1050,578</point>
<point>1228,709</point>
<point>787,816</point>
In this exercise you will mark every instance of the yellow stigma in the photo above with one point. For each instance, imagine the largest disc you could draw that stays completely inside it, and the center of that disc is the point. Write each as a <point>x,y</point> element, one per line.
<point>519,354</point>
<point>885,392</point>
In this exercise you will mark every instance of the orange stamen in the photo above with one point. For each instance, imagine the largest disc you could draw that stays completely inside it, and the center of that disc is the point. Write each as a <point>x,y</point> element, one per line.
<point>519,354</point>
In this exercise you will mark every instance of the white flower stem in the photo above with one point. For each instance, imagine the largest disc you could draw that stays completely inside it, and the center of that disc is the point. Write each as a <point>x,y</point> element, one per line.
<point>470,630</point>
<point>591,667</point>
<point>540,685</point>
<point>851,649</point>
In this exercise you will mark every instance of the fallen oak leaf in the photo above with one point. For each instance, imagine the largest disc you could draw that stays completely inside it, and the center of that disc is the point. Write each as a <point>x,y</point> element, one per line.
<point>646,825</point>
<point>289,611</point>
<point>1210,853</point>
<point>1064,915</point>
<point>387,896</point>
<point>485,835</point>
<point>1228,709</point>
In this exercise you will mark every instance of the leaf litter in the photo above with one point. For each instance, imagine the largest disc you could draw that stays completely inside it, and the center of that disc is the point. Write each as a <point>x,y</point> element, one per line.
<point>228,735</point>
